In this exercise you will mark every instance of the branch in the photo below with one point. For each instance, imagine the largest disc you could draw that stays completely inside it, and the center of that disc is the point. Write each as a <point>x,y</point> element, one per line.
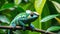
<point>28,28</point>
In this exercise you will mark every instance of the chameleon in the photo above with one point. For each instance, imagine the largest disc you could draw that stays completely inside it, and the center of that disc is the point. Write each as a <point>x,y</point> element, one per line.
<point>24,18</point>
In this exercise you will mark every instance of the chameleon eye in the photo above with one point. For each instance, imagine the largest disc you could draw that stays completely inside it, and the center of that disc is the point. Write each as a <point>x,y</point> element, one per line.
<point>31,15</point>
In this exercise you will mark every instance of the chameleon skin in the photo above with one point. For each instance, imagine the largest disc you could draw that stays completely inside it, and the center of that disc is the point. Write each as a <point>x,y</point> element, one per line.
<point>22,19</point>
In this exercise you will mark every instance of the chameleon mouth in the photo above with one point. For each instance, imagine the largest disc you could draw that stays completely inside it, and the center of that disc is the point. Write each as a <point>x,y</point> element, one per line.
<point>36,13</point>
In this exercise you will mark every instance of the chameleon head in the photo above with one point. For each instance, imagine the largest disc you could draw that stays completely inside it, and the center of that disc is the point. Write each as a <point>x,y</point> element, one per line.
<point>31,13</point>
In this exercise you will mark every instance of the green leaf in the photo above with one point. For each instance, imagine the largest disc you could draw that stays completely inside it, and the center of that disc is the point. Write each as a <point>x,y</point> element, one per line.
<point>39,4</point>
<point>4,19</point>
<point>11,13</point>
<point>45,12</point>
<point>57,5</point>
<point>49,17</point>
<point>17,2</point>
<point>7,6</point>
<point>53,28</point>
<point>2,31</point>
<point>17,32</point>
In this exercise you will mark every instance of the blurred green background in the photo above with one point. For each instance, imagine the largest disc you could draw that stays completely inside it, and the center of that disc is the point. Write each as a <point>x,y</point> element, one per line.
<point>10,8</point>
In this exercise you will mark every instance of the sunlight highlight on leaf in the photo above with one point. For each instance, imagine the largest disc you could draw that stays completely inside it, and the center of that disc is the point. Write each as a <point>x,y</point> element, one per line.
<point>57,19</point>
<point>4,19</point>
<point>39,4</point>
<point>57,6</point>
<point>17,2</point>
<point>53,28</point>
<point>49,17</point>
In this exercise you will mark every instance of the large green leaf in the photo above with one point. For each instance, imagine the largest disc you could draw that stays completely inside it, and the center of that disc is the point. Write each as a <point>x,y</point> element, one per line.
<point>4,19</point>
<point>39,4</point>
<point>53,29</point>
<point>7,6</point>
<point>12,13</point>
<point>45,12</point>
<point>57,5</point>
<point>49,17</point>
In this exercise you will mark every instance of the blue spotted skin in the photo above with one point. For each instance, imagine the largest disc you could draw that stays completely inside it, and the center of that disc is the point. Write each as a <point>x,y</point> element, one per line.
<point>22,19</point>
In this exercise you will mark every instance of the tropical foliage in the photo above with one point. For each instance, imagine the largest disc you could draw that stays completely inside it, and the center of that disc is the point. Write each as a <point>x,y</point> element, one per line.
<point>49,11</point>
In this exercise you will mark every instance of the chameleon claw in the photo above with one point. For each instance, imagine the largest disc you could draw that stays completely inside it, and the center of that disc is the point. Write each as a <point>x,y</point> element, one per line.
<point>24,29</point>
<point>14,28</point>
<point>32,28</point>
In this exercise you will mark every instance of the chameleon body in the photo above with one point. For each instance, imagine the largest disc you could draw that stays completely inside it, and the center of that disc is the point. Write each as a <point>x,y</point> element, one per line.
<point>22,19</point>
